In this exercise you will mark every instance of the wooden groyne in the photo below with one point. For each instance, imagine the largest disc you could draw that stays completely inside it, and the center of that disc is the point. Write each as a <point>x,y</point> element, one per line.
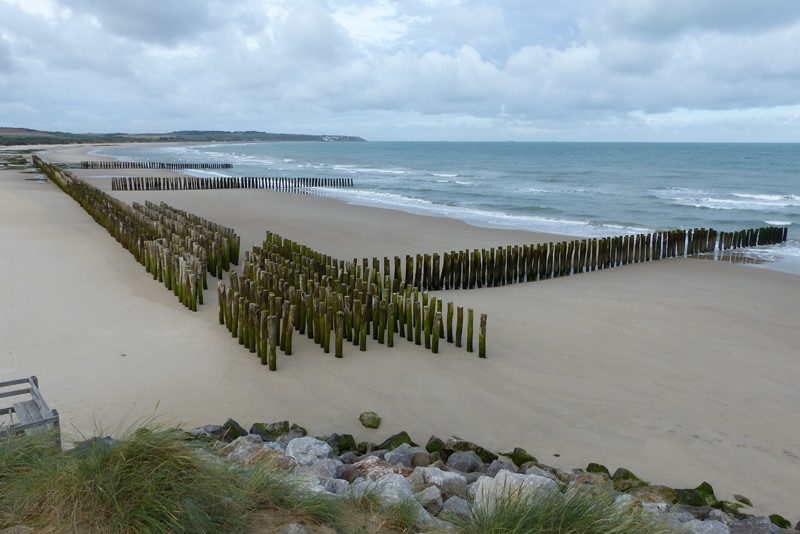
<point>153,165</point>
<point>176,247</point>
<point>190,183</point>
<point>513,264</point>
<point>286,287</point>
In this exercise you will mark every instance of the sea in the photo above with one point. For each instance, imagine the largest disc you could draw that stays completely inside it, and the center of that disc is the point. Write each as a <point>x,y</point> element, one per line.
<point>575,189</point>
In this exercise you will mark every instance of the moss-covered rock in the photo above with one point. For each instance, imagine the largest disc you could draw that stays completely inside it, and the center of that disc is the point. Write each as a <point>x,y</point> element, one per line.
<point>780,521</point>
<point>340,443</point>
<point>270,431</point>
<point>655,493</point>
<point>626,481</point>
<point>706,492</point>
<point>434,444</point>
<point>392,442</point>
<point>232,430</point>
<point>597,468</point>
<point>520,456</point>
<point>732,508</point>
<point>370,419</point>
<point>742,499</point>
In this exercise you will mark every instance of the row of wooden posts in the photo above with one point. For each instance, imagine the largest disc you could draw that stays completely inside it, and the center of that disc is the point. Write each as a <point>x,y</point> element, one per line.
<point>184,183</point>
<point>286,286</point>
<point>175,247</point>
<point>190,248</point>
<point>153,165</point>
<point>511,264</point>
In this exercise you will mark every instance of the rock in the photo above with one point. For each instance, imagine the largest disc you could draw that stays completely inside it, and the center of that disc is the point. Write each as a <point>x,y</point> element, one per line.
<point>780,521</point>
<point>464,461</point>
<point>455,444</point>
<point>742,499</point>
<point>374,468</point>
<point>752,525</point>
<point>707,493</point>
<point>350,473</point>
<point>601,480</point>
<point>284,440</point>
<point>420,459</point>
<point>690,497</point>
<point>232,430</point>
<point>365,447</point>
<point>335,485</point>
<point>349,457</point>
<point>325,468</point>
<point>392,488</point>
<point>370,419</point>
<point>392,442</point>
<point>520,456</point>
<point>498,465</point>
<point>241,449</point>
<point>449,483</point>
<point>431,499</point>
<point>540,472</point>
<point>340,443</point>
<point>597,468</point>
<point>695,526</point>
<point>624,480</point>
<point>294,528</point>
<point>308,450</point>
<point>271,431</point>
<point>655,507</point>
<point>455,507</point>
<point>434,444</point>
<point>733,508</point>
<point>655,493</point>
<point>402,455</point>
<point>486,490</point>
<point>698,512</point>
<point>207,431</point>
<point>721,516</point>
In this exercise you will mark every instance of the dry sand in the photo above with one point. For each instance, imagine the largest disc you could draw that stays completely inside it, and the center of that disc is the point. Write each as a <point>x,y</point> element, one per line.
<point>681,370</point>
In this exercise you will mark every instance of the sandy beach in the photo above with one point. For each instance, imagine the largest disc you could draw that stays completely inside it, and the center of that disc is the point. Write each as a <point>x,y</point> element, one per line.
<point>682,370</point>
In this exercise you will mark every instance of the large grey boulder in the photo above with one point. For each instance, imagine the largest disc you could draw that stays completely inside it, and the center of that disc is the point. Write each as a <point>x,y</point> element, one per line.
<point>486,491</point>
<point>402,455</point>
<point>308,450</point>
<point>449,483</point>
<point>464,461</point>
<point>455,506</point>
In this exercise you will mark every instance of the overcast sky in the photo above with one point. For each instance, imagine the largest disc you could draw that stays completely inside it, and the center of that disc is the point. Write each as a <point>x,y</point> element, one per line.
<point>575,70</point>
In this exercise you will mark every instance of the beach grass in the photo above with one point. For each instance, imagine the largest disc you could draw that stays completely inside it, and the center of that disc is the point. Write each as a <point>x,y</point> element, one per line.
<point>578,511</point>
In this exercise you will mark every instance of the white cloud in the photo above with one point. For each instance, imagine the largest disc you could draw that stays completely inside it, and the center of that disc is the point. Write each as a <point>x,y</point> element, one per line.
<point>386,69</point>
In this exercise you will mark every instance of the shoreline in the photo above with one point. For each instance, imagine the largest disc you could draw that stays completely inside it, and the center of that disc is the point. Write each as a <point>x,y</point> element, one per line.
<point>682,371</point>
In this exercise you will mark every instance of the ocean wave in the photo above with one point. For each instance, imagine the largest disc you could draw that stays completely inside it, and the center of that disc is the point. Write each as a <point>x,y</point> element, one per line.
<point>698,198</point>
<point>779,223</point>
<point>352,169</point>
<point>444,175</point>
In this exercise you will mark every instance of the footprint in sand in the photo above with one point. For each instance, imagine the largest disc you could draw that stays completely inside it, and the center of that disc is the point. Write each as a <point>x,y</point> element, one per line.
<point>790,454</point>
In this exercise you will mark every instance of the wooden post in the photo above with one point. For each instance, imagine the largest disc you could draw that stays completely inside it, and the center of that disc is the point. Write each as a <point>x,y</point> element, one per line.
<point>417,323</point>
<point>356,321</point>
<point>470,317</point>
<point>339,333</point>
<point>390,325</point>
<point>272,343</point>
<point>482,337</point>
<point>435,334</point>
<point>449,322</point>
<point>363,334</point>
<point>459,325</point>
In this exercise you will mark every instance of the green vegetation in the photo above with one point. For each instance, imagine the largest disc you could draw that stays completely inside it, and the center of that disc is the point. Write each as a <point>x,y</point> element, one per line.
<point>150,480</point>
<point>24,136</point>
<point>579,511</point>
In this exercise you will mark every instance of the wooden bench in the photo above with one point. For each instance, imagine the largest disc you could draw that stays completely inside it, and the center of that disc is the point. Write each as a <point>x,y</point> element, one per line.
<point>28,415</point>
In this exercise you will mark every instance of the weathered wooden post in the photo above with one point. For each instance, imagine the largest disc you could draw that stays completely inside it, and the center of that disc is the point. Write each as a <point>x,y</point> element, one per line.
<point>470,317</point>
<point>449,322</point>
<point>363,334</point>
<point>272,341</point>
<point>435,334</point>
<point>390,325</point>
<point>482,337</point>
<point>290,330</point>
<point>339,333</point>
<point>459,325</point>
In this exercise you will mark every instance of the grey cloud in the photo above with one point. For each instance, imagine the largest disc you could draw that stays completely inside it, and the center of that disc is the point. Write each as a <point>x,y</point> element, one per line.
<point>164,22</point>
<point>659,19</point>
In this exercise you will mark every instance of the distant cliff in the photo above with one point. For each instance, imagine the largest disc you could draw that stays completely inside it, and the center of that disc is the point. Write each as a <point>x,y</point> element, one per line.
<point>25,136</point>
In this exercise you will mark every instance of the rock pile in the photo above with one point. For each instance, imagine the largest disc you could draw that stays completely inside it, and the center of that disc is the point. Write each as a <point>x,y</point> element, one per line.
<point>447,477</point>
